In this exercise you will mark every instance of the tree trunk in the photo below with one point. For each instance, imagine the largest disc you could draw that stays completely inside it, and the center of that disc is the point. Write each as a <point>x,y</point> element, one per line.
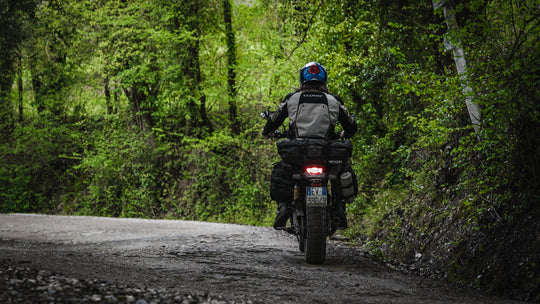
<point>231,66</point>
<point>36,87</point>
<point>107,92</point>
<point>461,65</point>
<point>20,87</point>
<point>192,67</point>
<point>142,114</point>
<point>115,98</point>
<point>202,96</point>
<point>276,13</point>
<point>6,115</point>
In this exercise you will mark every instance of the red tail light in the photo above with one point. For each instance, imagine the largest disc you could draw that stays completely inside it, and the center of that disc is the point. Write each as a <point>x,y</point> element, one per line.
<point>314,170</point>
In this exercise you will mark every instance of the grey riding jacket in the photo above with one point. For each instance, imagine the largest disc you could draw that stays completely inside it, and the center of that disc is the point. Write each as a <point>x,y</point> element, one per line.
<point>312,114</point>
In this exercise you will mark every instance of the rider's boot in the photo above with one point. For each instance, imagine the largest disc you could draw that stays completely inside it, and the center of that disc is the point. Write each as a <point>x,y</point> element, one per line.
<point>341,214</point>
<point>283,214</point>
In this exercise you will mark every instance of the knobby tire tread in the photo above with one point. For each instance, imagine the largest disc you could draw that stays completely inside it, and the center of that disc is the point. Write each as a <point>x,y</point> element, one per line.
<point>315,241</point>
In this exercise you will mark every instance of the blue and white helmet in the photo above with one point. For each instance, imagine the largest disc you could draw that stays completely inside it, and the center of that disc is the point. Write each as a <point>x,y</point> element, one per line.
<point>313,71</point>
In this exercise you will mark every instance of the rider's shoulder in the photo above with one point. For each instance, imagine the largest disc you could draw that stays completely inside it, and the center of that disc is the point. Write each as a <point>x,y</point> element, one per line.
<point>289,96</point>
<point>337,98</point>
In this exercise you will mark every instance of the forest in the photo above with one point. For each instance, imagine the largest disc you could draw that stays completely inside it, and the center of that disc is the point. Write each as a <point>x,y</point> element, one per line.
<point>150,109</point>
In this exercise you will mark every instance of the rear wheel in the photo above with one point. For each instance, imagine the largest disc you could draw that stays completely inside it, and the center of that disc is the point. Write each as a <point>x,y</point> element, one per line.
<point>315,235</point>
<point>301,234</point>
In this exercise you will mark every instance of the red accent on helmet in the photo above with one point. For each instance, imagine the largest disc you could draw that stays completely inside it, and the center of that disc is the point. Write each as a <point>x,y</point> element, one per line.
<point>314,69</point>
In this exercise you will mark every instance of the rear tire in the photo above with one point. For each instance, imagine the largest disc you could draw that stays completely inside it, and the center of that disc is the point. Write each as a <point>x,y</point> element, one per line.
<point>301,234</point>
<point>315,235</point>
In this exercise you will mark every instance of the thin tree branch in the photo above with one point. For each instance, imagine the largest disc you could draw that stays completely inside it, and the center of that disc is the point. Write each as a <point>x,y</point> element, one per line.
<point>306,31</point>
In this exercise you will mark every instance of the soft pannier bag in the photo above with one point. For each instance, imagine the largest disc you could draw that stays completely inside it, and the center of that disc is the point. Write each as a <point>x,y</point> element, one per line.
<point>290,151</point>
<point>339,150</point>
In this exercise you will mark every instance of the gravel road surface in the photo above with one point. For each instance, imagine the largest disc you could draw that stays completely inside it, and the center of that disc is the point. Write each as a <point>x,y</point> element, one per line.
<point>68,259</point>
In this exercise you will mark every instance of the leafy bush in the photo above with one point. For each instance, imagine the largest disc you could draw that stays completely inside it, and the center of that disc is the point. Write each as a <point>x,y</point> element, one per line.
<point>118,175</point>
<point>228,180</point>
<point>34,165</point>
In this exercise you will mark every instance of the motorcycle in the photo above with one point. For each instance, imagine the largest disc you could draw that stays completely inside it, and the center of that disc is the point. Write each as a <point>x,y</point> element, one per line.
<point>317,177</point>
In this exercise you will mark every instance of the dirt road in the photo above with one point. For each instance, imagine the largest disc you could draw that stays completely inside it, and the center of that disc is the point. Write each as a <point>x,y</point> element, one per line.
<point>237,263</point>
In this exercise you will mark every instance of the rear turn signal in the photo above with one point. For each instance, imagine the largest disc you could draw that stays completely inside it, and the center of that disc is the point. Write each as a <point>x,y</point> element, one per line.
<point>314,170</point>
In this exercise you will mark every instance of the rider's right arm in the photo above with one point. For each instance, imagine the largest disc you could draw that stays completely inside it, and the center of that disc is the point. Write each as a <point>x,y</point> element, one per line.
<point>347,122</point>
<point>277,118</point>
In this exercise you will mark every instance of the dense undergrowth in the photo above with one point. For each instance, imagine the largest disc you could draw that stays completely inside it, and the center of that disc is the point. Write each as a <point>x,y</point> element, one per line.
<point>117,171</point>
<point>457,226</point>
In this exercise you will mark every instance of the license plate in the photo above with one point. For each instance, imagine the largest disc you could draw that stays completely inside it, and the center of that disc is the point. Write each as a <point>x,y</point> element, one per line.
<point>316,196</point>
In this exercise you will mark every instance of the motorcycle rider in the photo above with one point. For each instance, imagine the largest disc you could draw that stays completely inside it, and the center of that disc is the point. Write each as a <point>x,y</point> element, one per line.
<point>313,113</point>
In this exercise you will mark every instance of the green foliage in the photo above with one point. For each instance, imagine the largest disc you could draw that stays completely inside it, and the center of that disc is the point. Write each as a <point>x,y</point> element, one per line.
<point>34,167</point>
<point>463,184</point>
<point>228,180</point>
<point>13,15</point>
<point>118,176</point>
